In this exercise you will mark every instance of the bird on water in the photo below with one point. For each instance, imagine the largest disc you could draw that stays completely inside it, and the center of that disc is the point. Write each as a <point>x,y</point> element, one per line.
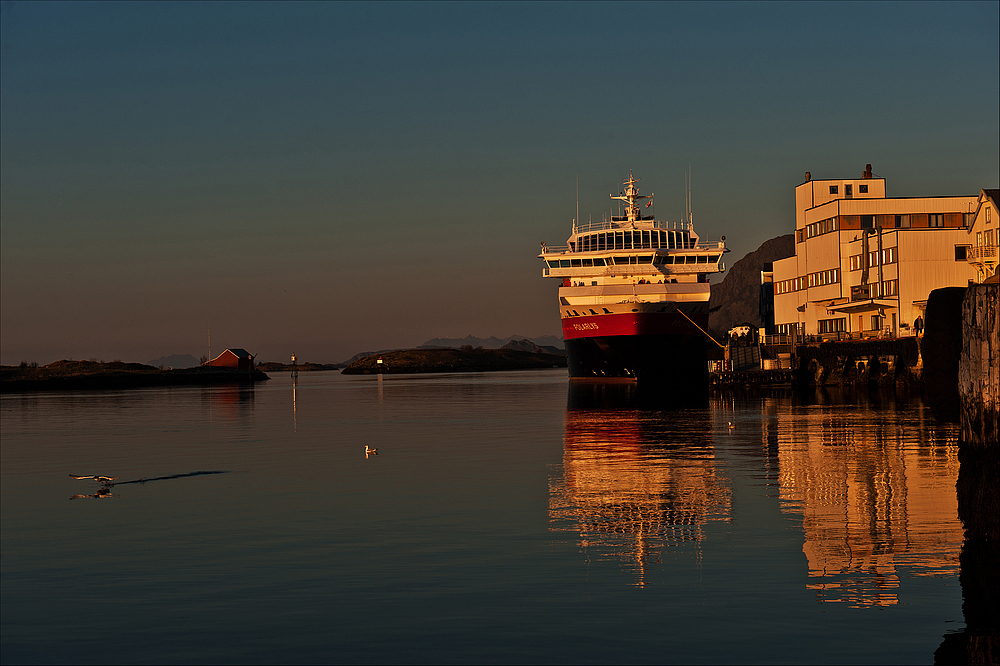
<point>370,452</point>
<point>105,480</point>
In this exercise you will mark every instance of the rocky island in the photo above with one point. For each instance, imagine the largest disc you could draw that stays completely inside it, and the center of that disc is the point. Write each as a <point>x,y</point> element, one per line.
<point>73,375</point>
<point>410,361</point>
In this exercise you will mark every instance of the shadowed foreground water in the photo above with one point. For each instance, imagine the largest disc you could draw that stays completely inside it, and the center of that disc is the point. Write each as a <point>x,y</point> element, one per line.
<point>499,522</point>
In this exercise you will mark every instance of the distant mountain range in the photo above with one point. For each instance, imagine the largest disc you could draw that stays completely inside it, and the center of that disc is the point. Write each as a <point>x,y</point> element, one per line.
<point>493,342</point>
<point>175,361</point>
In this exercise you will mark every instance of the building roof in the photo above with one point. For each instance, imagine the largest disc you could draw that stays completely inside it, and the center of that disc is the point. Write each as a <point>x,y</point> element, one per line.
<point>993,194</point>
<point>240,353</point>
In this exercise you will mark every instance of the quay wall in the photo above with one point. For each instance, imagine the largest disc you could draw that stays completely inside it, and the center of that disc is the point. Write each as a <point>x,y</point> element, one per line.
<point>979,365</point>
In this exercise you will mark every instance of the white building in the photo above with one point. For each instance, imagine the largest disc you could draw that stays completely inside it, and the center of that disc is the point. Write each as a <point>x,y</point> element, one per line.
<point>984,236</point>
<point>864,264</point>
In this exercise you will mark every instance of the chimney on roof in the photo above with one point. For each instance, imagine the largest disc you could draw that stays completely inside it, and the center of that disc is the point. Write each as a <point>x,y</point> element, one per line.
<point>808,176</point>
<point>868,171</point>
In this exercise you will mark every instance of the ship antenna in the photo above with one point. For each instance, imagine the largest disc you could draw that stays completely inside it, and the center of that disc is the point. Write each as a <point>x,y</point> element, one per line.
<point>578,198</point>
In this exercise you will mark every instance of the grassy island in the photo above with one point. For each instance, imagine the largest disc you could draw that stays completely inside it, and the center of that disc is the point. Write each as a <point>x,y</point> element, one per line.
<point>74,375</point>
<point>453,360</point>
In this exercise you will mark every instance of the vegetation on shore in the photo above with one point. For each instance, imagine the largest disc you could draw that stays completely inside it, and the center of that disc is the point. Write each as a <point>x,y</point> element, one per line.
<point>73,375</point>
<point>453,360</point>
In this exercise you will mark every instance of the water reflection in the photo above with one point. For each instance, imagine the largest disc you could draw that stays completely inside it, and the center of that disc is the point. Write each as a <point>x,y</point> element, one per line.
<point>234,401</point>
<point>876,492</point>
<point>635,482</point>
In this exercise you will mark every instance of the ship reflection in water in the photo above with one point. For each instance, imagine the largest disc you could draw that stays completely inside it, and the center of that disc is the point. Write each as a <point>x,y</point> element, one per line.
<point>634,481</point>
<point>874,486</point>
<point>876,492</point>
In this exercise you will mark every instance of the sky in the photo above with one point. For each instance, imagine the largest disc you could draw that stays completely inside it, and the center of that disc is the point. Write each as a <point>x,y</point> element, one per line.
<point>330,178</point>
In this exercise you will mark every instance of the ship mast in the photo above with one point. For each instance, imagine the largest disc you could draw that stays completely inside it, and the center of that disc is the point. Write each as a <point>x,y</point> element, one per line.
<point>630,196</point>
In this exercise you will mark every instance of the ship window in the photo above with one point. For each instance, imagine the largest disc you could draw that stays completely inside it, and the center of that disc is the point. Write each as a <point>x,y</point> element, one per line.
<point>712,258</point>
<point>645,239</point>
<point>620,261</point>
<point>592,311</point>
<point>600,241</point>
<point>572,247</point>
<point>606,311</point>
<point>553,264</point>
<point>619,241</point>
<point>669,259</point>
<point>702,259</point>
<point>564,263</point>
<point>584,243</point>
<point>599,261</point>
<point>691,259</point>
<point>646,259</point>
<point>576,263</point>
<point>628,240</point>
<point>588,262</point>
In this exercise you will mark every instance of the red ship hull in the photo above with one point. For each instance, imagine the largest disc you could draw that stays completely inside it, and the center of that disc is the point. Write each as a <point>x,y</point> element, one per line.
<point>664,353</point>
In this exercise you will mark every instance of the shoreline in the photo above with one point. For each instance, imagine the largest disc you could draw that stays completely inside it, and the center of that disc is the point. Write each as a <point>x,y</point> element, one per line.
<point>91,375</point>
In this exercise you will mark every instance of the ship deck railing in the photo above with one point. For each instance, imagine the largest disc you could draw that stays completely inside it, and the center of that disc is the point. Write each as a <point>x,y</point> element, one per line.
<point>622,224</point>
<point>703,246</point>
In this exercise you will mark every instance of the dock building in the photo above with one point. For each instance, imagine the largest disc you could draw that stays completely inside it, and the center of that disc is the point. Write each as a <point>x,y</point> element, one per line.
<point>865,263</point>
<point>984,236</point>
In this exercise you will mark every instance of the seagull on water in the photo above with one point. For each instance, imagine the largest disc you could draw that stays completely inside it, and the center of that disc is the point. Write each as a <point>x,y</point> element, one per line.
<point>732,426</point>
<point>370,452</point>
<point>105,480</point>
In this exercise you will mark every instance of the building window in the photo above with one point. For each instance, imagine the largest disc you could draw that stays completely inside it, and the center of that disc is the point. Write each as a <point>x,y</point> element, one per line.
<point>902,221</point>
<point>862,189</point>
<point>833,189</point>
<point>847,190</point>
<point>936,220</point>
<point>987,215</point>
<point>832,325</point>
<point>961,254</point>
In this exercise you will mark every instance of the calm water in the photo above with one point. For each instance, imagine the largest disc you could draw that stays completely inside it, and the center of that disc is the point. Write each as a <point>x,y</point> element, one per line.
<point>496,524</point>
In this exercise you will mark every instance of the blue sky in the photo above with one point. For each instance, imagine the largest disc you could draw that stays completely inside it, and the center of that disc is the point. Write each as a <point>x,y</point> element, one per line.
<point>327,178</point>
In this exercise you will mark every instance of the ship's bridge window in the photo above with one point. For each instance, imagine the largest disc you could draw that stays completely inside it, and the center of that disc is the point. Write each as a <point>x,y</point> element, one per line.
<point>588,262</point>
<point>691,259</point>
<point>645,240</point>
<point>599,261</point>
<point>646,259</point>
<point>668,259</point>
<point>564,263</point>
<point>702,258</point>
<point>576,263</point>
<point>553,263</point>
<point>712,258</point>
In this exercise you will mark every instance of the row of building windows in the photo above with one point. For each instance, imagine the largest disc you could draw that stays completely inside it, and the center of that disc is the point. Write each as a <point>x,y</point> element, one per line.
<point>875,258</point>
<point>984,238</point>
<point>818,279</point>
<point>629,240</point>
<point>846,222</point>
<point>832,325</point>
<point>849,189</point>
<point>885,289</point>
<point>821,227</point>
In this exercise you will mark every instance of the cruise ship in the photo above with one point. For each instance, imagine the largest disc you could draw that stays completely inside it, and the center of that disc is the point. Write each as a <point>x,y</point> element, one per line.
<point>634,296</point>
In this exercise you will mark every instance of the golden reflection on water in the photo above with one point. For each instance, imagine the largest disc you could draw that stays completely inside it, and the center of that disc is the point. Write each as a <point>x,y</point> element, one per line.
<point>876,492</point>
<point>633,484</point>
<point>875,488</point>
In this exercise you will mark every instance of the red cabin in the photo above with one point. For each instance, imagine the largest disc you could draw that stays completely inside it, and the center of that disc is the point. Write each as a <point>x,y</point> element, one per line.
<point>239,359</point>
